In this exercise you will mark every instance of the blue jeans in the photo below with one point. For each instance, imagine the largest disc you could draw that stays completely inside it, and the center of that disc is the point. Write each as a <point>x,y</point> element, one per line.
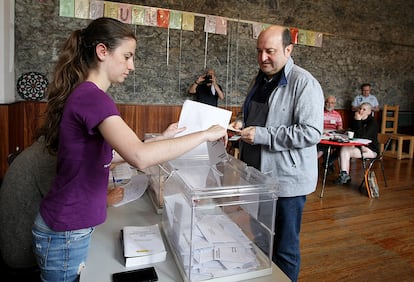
<point>286,248</point>
<point>60,255</point>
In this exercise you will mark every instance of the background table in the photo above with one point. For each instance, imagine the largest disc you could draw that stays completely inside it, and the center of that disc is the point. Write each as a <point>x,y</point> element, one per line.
<point>331,143</point>
<point>105,255</point>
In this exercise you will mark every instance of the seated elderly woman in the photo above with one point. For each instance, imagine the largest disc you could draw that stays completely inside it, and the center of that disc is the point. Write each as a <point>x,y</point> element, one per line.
<point>364,126</point>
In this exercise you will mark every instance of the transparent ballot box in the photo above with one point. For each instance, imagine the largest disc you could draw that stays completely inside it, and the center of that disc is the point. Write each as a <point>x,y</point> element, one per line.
<point>212,222</point>
<point>158,175</point>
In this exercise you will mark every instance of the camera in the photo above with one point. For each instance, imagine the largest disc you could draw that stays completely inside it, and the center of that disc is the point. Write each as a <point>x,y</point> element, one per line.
<point>208,78</point>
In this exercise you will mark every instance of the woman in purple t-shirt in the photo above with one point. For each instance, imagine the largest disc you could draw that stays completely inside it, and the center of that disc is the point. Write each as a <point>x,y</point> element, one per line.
<point>84,128</point>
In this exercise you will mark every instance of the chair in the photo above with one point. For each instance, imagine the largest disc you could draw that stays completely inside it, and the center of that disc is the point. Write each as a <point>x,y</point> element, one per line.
<point>389,126</point>
<point>367,163</point>
<point>389,123</point>
<point>18,274</point>
<point>384,141</point>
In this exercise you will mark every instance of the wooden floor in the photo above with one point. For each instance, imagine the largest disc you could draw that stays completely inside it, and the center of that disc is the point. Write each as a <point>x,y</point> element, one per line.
<point>346,236</point>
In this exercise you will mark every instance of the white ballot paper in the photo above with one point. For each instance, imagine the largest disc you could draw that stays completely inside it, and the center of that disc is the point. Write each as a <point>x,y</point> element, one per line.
<point>196,116</point>
<point>216,152</point>
<point>134,189</point>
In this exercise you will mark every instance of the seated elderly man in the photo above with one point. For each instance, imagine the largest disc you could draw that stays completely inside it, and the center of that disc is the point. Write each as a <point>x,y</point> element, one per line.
<point>332,120</point>
<point>364,126</point>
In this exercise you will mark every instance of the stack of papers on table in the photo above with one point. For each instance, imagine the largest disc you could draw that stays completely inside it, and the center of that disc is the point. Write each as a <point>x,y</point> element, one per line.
<point>361,140</point>
<point>334,136</point>
<point>142,245</point>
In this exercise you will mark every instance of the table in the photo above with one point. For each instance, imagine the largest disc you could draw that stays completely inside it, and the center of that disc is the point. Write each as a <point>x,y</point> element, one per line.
<point>105,254</point>
<point>331,143</point>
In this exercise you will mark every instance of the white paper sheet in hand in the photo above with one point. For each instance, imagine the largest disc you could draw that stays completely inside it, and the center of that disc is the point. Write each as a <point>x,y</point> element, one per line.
<point>196,116</point>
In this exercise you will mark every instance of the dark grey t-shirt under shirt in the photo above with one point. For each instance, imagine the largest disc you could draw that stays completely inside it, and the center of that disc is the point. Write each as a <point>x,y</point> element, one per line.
<point>257,116</point>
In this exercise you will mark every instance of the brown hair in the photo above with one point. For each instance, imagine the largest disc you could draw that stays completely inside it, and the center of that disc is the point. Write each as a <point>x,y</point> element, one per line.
<point>77,58</point>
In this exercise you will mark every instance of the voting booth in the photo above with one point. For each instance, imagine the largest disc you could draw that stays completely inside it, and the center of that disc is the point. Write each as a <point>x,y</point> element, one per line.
<point>218,219</point>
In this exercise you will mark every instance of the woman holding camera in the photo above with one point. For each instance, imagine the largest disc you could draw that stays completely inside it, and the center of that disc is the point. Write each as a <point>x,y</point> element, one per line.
<point>206,89</point>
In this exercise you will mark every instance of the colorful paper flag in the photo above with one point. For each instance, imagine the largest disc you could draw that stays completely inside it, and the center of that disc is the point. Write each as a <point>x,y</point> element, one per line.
<point>310,38</point>
<point>318,40</point>
<point>150,16</point>
<point>125,13</point>
<point>302,36</point>
<point>111,10</point>
<point>82,9</point>
<point>96,9</point>
<point>67,8</point>
<point>210,24</point>
<point>294,34</point>
<point>221,25</point>
<point>138,15</point>
<point>163,18</point>
<point>257,29</point>
<point>188,21</point>
<point>175,19</point>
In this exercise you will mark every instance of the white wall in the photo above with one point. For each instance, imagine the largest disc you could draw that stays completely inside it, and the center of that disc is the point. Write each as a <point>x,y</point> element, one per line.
<point>7,85</point>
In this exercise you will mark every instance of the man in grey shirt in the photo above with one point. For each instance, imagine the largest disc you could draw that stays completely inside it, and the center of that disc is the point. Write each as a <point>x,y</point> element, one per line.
<point>283,117</point>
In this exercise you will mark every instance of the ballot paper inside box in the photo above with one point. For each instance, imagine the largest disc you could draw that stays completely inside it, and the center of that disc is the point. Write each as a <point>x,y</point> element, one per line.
<point>160,174</point>
<point>212,222</point>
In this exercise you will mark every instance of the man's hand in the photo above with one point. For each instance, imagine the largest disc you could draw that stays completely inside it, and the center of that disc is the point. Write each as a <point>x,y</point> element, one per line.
<point>247,134</point>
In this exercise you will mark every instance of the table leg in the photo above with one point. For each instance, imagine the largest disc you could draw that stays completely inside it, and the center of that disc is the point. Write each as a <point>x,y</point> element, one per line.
<point>364,168</point>
<point>325,171</point>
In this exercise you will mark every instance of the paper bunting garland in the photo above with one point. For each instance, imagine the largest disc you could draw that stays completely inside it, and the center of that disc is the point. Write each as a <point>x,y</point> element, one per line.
<point>171,19</point>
